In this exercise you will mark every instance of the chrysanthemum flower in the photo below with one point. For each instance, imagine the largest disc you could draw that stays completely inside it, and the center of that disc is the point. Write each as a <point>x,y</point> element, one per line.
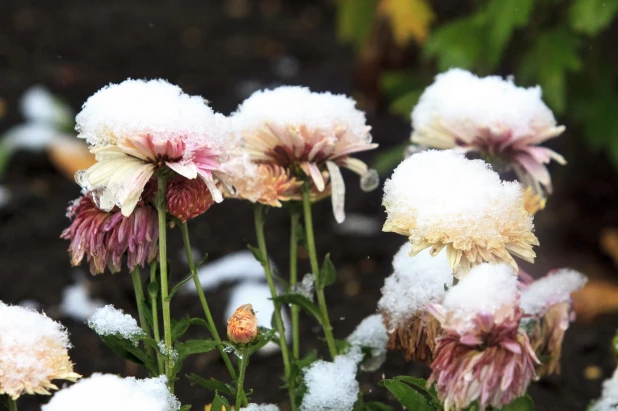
<point>103,238</point>
<point>104,392</point>
<point>187,199</point>
<point>440,199</point>
<point>533,203</point>
<point>491,116</point>
<point>268,184</point>
<point>137,127</point>
<point>548,302</point>
<point>242,326</point>
<point>415,283</point>
<point>307,133</point>
<point>484,355</point>
<point>33,352</point>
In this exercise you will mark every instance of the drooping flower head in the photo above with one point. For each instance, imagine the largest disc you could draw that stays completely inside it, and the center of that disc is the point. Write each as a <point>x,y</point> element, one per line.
<point>548,302</point>
<point>268,184</point>
<point>491,116</point>
<point>104,392</point>
<point>484,355</point>
<point>310,134</point>
<point>137,127</point>
<point>416,283</point>
<point>104,238</point>
<point>441,199</point>
<point>33,352</point>
<point>187,199</point>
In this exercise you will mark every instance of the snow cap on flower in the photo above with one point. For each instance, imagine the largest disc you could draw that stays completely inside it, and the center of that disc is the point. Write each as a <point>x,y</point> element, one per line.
<point>492,116</point>
<point>293,127</point>
<point>103,238</point>
<point>104,392</point>
<point>441,199</point>
<point>33,352</point>
<point>416,282</point>
<point>242,326</point>
<point>556,287</point>
<point>136,127</point>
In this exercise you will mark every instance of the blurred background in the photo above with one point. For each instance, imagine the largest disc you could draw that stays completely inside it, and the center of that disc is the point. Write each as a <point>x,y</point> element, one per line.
<point>383,53</point>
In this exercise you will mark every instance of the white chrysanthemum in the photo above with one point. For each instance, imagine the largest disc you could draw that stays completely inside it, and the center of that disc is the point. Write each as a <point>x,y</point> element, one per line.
<point>105,392</point>
<point>609,395</point>
<point>112,321</point>
<point>137,127</point>
<point>33,352</point>
<point>441,199</point>
<point>293,127</point>
<point>492,116</point>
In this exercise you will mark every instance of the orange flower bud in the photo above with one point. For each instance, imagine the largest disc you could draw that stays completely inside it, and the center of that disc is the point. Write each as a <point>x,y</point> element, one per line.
<point>242,326</point>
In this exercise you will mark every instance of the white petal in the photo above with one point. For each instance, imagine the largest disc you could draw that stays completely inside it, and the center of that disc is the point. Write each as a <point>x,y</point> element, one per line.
<point>316,176</point>
<point>337,191</point>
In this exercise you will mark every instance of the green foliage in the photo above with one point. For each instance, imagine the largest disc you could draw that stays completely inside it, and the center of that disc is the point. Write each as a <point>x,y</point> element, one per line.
<point>524,403</point>
<point>303,302</point>
<point>212,384</point>
<point>328,273</point>
<point>411,393</point>
<point>592,16</point>
<point>355,20</point>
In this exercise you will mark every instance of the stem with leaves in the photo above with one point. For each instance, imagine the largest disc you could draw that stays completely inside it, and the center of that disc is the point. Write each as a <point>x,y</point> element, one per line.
<point>244,361</point>
<point>200,291</point>
<point>315,267</point>
<point>294,224</point>
<point>165,301</point>
<point>260,216</point>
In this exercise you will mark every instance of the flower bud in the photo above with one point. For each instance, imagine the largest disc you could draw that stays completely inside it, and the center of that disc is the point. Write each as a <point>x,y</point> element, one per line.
<point>187,199</point>
<point>242,326</point>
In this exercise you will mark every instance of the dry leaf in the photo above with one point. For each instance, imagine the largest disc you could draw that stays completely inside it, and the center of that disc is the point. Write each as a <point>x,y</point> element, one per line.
<point>596,298</point>
<point>409,19</point>
<point>69,155</point>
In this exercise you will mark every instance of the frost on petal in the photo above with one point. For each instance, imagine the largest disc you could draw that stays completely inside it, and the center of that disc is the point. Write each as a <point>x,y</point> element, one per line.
<point>112,321</point>
<point>103,392</point>
<point>33,352</point>
<point>441,199</point>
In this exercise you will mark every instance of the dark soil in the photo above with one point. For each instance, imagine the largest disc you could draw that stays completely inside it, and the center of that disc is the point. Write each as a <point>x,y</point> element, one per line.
<point>224,50</point>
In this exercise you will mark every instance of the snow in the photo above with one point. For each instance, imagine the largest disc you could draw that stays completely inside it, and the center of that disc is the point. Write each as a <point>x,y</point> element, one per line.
<point>5,196</point>
<point>358,225</point>
<point>442,192</point>
<point>306,287</point>
<point>465,102</point>
<point>21,327</point>
<point>416,282</point>
<point>260,407</point>
<point>552,289</point>
<point>240,265</point>
<point>609,395</point>
<point>40,106</point>
<point>156,108</point>
<point>294,106</point>
<point>76,302</point>
<point>485,290</point>
<point>104,392</point>
<point>332,385</point>
<point>258,295</point>
<point>370,333</point>
<point>112,321</point>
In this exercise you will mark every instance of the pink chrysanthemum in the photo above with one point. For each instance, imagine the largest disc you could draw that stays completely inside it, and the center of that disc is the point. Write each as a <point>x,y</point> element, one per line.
<point>484,355</point>
<point>491,116</point>
<point>103,238</point>
<point>137,127</point>
<point>187,199</point>
<point>308,134</point>
<point>548,303</point>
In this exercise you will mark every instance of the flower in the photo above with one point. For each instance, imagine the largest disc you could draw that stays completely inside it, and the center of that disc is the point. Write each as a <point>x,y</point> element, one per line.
<point>242,326</point>
<point>484,355</point>
<point>33,352</point>
<point>138,127</point>
<point>548,302</point>
<point>533,203</point>
<point>416,283</point>
<point>491,116</point>
<point>440,199</point>
<point>110,392</point>
<point>268,184</point>
<point>187,199</point>
<point>308,134</point>
<point>105,237</point>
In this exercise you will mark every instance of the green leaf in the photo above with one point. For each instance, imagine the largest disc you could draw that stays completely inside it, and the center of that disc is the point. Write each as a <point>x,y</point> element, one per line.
<point>341,346</point>
<point>185,407</point>
<point>219,403</point>
<point>592,16</point>
<point>128,351</point>
<point>554,54</point>
<point>301,301</point>
<point>524,403</point>
<point>191,347</point>
<point>213,385</point>
<point>177,287</point>
<point>264,337</point>
<point>180,327</point>
<point>420,384</point>
<point>503,17</point>
<point>355,20</point>
<point>406,395</point>
<point>388,159</point>
<point>328,272</point>
<point>256,253</point>
<point>376,406</point>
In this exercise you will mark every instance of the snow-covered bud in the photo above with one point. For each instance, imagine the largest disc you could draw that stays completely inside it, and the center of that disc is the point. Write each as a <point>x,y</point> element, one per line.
<point>187,199</point>
<point>242,326</point>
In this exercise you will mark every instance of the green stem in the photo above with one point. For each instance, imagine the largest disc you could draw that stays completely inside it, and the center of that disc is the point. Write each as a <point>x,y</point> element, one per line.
<point>315,267</point>
<point>294,217</point>
<point>200,292</point>
<point>139,299</point>
<point>165,302</point>
<point>259,214</point>
<point>13,404</point>
<point>155,314</point>
<point>244,361</point>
